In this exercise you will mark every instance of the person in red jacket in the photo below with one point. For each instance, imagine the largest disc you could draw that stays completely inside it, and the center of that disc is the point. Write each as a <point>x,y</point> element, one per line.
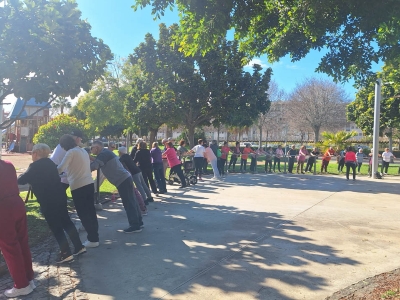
<point>350,160</point>
<point>14,233</point>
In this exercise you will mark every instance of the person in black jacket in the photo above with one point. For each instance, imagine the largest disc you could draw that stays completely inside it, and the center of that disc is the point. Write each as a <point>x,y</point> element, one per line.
<point>43,176</point>
<point>143,159</point>
<point>135,147</point>
<point>136,174</point>
<point>292,157</point>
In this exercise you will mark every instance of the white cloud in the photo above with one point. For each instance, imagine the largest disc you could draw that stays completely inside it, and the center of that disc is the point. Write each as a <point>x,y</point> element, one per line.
<point>256,61</point>
<point>292,67</point>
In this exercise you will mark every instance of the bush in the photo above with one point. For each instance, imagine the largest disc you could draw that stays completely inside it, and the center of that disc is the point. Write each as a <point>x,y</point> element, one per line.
<point>51,132</point>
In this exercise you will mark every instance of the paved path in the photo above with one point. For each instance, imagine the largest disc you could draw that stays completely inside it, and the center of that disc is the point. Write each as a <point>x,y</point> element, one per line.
<point>249,237</point>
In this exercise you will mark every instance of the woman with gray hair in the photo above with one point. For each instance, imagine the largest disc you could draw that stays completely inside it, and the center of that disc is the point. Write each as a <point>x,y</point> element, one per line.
<point>43,176</point>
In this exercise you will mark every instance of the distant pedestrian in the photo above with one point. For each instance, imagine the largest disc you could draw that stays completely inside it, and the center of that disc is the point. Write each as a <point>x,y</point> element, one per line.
<point>360,159</point>
<point>327,158</point>
<point>386,158</point>
<point>224,155</point>
<point>143,159</point>
<point>174,163</point>
<point>312,159</point>
<point>234,156</point>
<point>269,154</point>
<point>291,154</point>
<point>212,159</point>
<point>350,161</point>
<point>278,155</point>
<point>301,158</point>
<point>341,160</point>
<point>243,161</point>
<point>158,168</point>
<point>198,151</point>
<point>14,233</point>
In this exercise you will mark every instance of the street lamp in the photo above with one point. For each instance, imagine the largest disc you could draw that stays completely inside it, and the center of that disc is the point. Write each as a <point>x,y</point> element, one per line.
<point>285,157</point>
<point>377,114</point>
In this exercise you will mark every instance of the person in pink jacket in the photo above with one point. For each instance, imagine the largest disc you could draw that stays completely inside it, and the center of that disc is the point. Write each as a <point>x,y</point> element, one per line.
<point>174,163</point>
<point>301,158</point>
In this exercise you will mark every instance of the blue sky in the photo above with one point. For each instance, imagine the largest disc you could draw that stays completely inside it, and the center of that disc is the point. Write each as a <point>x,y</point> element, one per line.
<point>122,29</point>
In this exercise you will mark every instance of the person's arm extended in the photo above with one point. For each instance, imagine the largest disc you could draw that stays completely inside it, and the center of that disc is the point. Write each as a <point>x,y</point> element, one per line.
<point>65,162</point>
<point>96,164</point>
<point>26,177</point>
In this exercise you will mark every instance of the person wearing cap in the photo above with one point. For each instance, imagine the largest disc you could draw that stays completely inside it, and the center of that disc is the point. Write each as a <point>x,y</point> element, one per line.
<point>58,154</point>
<point>136,174</point>
<point>117,175</point>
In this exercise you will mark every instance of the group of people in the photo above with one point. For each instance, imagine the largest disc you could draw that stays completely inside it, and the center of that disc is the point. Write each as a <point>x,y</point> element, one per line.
<point>70,165</point>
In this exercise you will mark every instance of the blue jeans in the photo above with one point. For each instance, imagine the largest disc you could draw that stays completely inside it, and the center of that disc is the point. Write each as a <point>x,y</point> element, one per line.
<point>158,170</point>
<point>131,205</point>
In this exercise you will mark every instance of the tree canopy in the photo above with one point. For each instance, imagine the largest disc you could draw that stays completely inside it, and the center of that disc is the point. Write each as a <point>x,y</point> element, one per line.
<point>47,50</point>
<point>356,33</point>
<point>361,111</point>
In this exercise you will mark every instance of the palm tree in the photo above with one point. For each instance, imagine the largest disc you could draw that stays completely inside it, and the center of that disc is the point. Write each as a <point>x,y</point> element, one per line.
<point>338,139</point>
<point>61,103</point>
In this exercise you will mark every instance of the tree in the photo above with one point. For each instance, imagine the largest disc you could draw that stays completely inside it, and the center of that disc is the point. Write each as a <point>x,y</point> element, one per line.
<point>317,103</point>
<point>60,104</point>
<point>273,117</point>
<point>355,33</point>
<point>103,106</point>
<point>361,111</point>
<point>339,139</point>
<point>47,51</point>
<point>203,88</point>
<point>51,132</point>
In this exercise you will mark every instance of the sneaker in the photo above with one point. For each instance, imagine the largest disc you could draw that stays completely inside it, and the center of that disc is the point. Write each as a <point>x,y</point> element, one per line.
<point>146,202</point>
<point>144,213</point>
<point>14,292</point>
<point>80,251</point>
<point>64,258</point>
<point>142,225</point>
<point>89,244</point>
<point>201,179</point>
<point>133,230</point>
<point>150,199</point>
<point>32,284</point>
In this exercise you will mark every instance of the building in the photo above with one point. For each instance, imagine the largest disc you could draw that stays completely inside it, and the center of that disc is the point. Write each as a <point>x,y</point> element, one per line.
<point>25,122</point>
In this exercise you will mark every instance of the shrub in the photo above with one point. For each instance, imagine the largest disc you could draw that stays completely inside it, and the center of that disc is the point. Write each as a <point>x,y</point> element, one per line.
<point>51,132</point>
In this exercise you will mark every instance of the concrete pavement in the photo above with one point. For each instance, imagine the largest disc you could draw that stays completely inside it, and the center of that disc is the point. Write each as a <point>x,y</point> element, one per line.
<point>249,237</point>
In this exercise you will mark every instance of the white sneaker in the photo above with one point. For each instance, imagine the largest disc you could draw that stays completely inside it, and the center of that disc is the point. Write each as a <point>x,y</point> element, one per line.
<point>215,178</point>
<point>89,244</point>
<point>14,292</point>
<point>32,284</point>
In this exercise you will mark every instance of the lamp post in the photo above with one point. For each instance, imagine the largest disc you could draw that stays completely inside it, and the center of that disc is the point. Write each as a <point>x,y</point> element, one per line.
<point>377,113</point>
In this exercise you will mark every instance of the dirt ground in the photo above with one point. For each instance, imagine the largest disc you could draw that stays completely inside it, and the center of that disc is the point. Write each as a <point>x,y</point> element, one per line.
<point>383,286</point>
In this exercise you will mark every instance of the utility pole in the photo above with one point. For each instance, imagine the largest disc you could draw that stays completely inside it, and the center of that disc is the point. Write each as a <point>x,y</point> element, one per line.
<point>377,114</point>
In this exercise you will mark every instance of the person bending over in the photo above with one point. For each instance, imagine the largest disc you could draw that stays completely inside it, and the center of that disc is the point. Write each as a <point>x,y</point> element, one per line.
<point>43,176</point>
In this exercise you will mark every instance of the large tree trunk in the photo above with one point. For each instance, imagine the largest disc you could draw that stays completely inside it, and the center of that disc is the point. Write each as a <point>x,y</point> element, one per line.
<point>316,134</point>
<point>218,129</point>
<point>260,143</point>
<point>191,141</point>
<point>390,136</point>
<point>153,135</point>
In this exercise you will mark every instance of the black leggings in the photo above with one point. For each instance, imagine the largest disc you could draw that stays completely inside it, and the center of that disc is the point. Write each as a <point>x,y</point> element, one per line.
<point>221,166</point>
<point>385,166</point>
<point>178,170</point>
<point>243,164</point>
<point>268,162</point>
<point>233,161</point>
<point>351,165</point>
<point>277,161</point>
<point>198,164</point>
